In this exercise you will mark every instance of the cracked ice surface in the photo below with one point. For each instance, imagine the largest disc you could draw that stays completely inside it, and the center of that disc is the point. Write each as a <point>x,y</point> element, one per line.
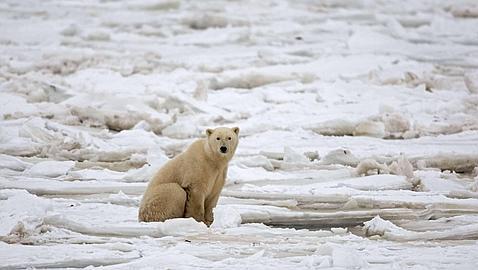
<point>359,132</point>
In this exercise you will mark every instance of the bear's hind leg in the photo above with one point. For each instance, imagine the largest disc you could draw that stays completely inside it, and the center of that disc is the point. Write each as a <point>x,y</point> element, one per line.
<point>168,201</point>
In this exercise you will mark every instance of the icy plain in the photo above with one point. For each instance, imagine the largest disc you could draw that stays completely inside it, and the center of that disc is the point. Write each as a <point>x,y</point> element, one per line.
<point>358,147</point>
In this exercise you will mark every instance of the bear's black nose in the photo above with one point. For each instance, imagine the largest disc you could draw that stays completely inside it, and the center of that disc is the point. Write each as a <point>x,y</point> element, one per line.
<point>223,149</point>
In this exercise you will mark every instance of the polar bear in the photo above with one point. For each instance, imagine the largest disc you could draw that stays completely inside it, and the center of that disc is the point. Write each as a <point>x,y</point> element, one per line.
<point>189,185</point>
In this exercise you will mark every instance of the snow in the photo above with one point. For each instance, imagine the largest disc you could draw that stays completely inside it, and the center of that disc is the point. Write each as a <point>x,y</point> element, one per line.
<point>226,217</point>
<point>50,169</point>
<point>358,145</point>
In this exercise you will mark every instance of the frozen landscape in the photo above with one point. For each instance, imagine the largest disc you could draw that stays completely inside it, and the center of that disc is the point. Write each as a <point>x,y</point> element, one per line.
<point>358,145</point>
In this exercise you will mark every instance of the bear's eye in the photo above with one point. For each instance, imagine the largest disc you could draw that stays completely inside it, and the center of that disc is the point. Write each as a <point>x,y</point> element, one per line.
<point>218,138</point>
<point>229,138</point>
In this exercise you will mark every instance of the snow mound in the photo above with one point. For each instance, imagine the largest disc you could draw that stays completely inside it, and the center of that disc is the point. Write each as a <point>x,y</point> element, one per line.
<point>50,168</point>
<point>452,162</point>
<point>182,226</point>
<point>292,156</point>
<point>379,226</point>
<point>182,129</point>
<point>340,156</point>
<point>367,165</point>
<point>348,258</point>
<point>339,256</point>
<point>395,124</point>
<point>21,214</point>
<point>336,127</point>
<point>226,217</point>
<point>255,161</point>
<point>155,158</point>
<point>122,199</point>
<point>464,11</point>
<point>250,80</point>
<point>385,125</point>
<point>388,230</point>
<point>402,167</point>
<point>370,128</point>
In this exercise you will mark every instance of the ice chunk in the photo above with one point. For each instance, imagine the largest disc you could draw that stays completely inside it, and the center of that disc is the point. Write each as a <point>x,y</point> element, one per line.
<point>388,230</point>
<point>11,104</point>
<point>340,257</point>
<point>339,156</point>
<point>155,158</point>
<point>205,21</point>
<point>70,30</point>
<point>367,165</point>
<point>122,199</point>
<point>461,163</point>
<point>379,226</point>
<point>98,36</point>
<point>200,93</point>
<point>95,174</point>
<point>370,128</point>
<point>21,212</point>
<point>336,127</point>
<point>348,258</point>
<point>293,157</point>
<point>402,167</point>
<point>464,11</point>
<point>182,129</point>
<point>395,123</point>
<point>249,80</point>
<point>226,217</point>
<point>50,168</point>
<point>339,230</point>
<point>182,226</point>
<point>256,161</point>
<point>13,163</point>
<point>143,125</point>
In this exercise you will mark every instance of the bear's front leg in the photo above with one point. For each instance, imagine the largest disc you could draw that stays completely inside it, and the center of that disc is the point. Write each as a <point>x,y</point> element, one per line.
<point>208,209</point>
<point>195,205</point>
<point>211,201</point>
<point>208,216</point>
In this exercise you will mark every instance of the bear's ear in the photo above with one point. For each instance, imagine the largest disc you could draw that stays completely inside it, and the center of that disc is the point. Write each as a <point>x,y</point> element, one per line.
<point>209,132</point>
<point>236,130</point>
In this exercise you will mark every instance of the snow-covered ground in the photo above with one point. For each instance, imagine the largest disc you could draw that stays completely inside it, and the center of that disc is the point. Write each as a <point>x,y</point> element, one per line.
<point>358,147</point>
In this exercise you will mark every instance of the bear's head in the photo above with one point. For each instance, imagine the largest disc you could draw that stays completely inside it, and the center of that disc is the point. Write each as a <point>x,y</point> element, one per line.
<point>223,141</point>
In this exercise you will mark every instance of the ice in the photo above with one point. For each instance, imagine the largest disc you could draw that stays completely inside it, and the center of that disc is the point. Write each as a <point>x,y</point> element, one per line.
<point>293,157</point>
<point>338,127</point>
<point>379,226</point>
<point>358,143</point>
<point>452,162</point>
<point>205,21</point>
<point>367,165</point>
<point>388,230</point>
<point>339,156</point>
<point>182,226</point>
<point>347,258</point>
<point>182,129</point>
<point>226,217</point>
<point>50,169</point>
<point>370,128</point>
<point>21,212</point>
<point>471,82</point>
<point>256,161</point>
<point>13,163</point>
